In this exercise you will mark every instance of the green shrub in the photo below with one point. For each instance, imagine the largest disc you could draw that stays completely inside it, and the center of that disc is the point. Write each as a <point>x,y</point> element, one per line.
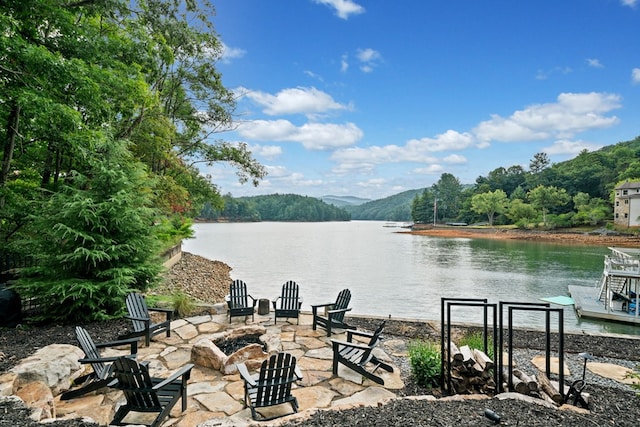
<point>182,304</point>
<point>425,362</point>
<point>475,340</point>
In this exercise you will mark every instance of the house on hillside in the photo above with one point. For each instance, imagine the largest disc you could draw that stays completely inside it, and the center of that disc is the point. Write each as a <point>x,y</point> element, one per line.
<point>626,211</point>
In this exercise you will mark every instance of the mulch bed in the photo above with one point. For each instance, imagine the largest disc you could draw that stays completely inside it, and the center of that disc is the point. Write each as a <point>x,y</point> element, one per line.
<point>609,406</point>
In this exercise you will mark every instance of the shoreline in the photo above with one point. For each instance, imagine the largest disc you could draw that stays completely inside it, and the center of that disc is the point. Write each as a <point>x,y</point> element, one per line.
<point>556,236</point>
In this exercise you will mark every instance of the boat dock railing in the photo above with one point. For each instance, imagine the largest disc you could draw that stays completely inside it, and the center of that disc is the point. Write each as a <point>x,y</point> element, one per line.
<point>621,266</point>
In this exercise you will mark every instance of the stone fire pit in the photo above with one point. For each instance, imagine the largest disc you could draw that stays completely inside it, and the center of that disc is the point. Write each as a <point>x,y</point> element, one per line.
<point>206,353</point>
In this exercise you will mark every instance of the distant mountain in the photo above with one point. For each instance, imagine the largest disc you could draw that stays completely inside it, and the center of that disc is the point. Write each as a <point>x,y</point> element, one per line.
<point>392,208</point>
<point>342,201</point>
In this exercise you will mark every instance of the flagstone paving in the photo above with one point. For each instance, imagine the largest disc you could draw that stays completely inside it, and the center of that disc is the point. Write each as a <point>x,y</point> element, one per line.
<point>218,399</point>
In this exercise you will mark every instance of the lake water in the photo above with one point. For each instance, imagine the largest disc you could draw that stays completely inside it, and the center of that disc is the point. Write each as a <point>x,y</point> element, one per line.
<point>399,274</point>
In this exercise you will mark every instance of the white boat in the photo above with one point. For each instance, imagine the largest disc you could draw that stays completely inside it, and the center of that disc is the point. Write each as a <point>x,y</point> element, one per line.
<point>616,296</point>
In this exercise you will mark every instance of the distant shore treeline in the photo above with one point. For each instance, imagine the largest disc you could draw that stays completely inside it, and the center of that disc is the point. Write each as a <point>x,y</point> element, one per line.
<point>274,207</point>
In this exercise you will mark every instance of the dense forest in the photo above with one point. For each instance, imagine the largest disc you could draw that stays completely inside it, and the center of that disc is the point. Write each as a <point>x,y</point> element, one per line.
<point>274,207</point>
<point>107,109</point>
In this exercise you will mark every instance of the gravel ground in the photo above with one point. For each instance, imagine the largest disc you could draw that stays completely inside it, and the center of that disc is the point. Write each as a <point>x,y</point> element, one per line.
<point>612,403</point>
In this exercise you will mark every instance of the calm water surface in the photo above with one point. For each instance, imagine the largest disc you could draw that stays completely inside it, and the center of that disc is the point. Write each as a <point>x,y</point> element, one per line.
<point>398,274</point>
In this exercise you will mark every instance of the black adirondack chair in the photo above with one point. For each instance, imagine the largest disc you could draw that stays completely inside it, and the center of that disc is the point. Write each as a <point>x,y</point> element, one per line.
<point>238,300</point>
<point>101,375</point>
<point>141,319</point>
<point>146,394</point>
<point>335,312</point>
<point>359,356</point>
<point>288,304</point>
<point>272,385</point>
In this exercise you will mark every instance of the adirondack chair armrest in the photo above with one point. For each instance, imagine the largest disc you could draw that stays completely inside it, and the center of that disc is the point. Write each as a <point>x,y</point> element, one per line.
<point>133,343</point>
<point>253,299</point>
<point>161,309</point>
<point>99,359</point>
<point>246,376</point>
<point>337,343</point>
<point>315,307</point>
<point>106,359</point>
<point>184,373</point>
<point>342,310</point>
<point>298,372</point>
<point>142,319</point>
<point>167,311</point>
<point>364,334</point>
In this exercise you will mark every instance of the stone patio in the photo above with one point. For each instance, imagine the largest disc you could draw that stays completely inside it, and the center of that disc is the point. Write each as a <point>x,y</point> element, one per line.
<point>216,398</point>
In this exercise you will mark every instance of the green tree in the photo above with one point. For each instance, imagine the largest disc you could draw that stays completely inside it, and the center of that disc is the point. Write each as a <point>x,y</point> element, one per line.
<point>590,210</point>
<point>93,240</point>
<point>546,198</point>
<point>520,212</point>
<point>422,207</point>
<point>448,193</point>
<point>539,162</point>
<point>490,203</point>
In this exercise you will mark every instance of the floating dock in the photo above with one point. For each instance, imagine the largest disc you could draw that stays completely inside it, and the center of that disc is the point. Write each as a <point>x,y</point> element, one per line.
<point>616,298</point>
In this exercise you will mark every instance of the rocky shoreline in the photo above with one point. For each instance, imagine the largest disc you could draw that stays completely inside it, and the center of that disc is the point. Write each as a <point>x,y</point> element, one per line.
<point>597,237</point>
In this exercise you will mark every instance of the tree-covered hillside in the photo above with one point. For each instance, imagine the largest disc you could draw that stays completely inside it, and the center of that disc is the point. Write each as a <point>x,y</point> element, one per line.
<point>275,207</point>
<point>392,208</point>
<point>570,193</point>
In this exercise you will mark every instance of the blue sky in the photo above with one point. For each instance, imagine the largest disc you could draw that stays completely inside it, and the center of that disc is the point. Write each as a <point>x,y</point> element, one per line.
<point>372,98</point>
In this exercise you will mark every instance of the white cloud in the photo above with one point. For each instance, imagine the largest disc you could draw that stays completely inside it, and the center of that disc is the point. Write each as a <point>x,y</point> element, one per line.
<point>369,59</point>
<point>635,76</point>
<point>343,8</point>
<point>313,136</point>
<point>570,147</point>
<point>313,75</point>
<point>595,63</point>
<point>455,159</point>
<point>414,151</point>
<point>269,152</point>
<point>344,64</point>
<point>343,169</point>
<point>299,100</point>
<point>545,74</point>
<point>375,183</point>
<point>230,53</point>
<point>630,3</point>
<point>450,140</point>
<point>572,113</point>
<point>433,169</point>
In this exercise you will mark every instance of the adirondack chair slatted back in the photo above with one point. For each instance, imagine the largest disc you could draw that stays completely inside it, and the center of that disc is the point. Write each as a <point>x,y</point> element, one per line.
<point>276,377</point>
<point>87,345</point>
<point>137,308</point>
<point>290,298</point>
<point>135,382</point>
<point>342,302</point>
<point>288,304</point>
<point>376,335</point>
<point>238,295</point>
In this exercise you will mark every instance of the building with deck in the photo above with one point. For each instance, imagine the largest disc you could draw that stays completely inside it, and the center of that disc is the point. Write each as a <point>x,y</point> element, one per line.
<point>626,210</point>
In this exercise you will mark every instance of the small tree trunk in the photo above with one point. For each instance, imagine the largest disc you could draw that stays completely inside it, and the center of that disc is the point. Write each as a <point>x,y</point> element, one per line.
<point>10,143</point>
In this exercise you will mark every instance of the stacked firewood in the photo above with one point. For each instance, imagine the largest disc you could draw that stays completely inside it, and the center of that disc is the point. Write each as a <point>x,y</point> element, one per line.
<point>471,371</point>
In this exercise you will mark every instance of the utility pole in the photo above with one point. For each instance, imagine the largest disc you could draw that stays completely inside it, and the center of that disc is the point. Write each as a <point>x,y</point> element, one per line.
<point>435,210</point>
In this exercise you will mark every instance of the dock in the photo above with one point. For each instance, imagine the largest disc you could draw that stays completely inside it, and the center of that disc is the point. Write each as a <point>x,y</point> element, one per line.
<point>587,304</point>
